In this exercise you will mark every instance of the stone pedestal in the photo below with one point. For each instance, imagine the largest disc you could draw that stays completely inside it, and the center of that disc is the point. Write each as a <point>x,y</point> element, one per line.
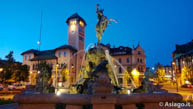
<point>103,101</point>
<point>36,106</point>
<point>74,107</point>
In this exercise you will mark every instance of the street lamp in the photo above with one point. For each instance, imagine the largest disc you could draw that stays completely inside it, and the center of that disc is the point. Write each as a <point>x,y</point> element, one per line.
<point>1,69</point>
<point>56,76</point>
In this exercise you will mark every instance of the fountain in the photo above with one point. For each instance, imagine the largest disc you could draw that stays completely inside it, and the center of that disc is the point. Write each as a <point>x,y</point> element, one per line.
<point>100,88</point>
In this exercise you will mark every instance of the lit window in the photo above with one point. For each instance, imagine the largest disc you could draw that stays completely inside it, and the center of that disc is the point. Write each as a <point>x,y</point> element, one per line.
<point>72,27</point>
<point>81,23</point>
<point>59,54</point>
<point>64,53</point>
<point>73,22</point>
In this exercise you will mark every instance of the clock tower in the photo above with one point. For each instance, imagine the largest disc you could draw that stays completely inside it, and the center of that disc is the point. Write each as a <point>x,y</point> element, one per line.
<point>76,37</point>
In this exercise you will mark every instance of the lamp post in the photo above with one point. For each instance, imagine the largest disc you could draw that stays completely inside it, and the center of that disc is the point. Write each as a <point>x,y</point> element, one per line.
<point>176,75</point>
<point>31,76</point>
<point>56,76</point>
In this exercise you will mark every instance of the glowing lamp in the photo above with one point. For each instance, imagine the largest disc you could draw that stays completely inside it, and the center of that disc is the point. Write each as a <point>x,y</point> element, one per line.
<point>1,69</point>
<point>60,84</point>
<point>187,82</point>
<point>58,93</point>
<point>135,72</point>
<point>73,27</point>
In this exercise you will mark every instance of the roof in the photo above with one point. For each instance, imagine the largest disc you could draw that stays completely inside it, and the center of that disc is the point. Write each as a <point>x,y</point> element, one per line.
<point>44,55</point>
<point>31,51</point>
<point>184,48</point>
<point>66,47</point>
<point>47,54</point>
<point>75,15</point>
<point>120,51</point>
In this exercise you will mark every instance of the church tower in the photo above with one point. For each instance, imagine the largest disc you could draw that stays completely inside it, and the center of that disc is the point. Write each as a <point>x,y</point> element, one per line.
<point>76,37</point>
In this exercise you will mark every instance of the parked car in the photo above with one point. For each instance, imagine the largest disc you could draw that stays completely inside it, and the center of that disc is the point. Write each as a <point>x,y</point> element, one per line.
<point>11,87</point>
<point>1,87</point>
<point>187,86</point>
<point>19,86</point>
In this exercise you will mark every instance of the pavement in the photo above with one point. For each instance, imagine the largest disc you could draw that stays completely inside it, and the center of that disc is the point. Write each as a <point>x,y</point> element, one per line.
<point>187,93</point>
<point>9,106</point>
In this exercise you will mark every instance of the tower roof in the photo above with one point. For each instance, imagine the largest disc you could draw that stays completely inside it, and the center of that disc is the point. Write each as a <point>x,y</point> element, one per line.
<point>75,15</point>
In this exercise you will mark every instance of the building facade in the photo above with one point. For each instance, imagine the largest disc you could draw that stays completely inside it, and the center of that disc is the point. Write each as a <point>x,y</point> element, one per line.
<point>168,72</point>
<point>182,57</point>
<point>69,55</point>
<point>72,56</point>
<point>126,58</point>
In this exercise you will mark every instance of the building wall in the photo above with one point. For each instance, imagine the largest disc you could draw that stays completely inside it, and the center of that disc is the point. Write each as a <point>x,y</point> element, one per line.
<point>135,61</point>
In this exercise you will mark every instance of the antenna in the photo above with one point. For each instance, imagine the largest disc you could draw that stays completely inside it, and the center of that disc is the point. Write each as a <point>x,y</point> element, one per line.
<point>39,42</point>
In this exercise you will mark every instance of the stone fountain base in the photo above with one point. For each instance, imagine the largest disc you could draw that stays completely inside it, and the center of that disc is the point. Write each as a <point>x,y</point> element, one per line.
<point>96,101</point>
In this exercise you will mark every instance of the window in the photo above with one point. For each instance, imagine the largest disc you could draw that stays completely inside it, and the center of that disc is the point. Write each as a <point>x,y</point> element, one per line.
<point>120,80</point>
<point>138,60</point>
<point>141,60</point>
<point>139,52</point>
<point>59,54</point>
<point>119,60</point>
<point>120,70</point>
<point>29,57</point>
<point>81,38</point>
<point>81,23</point>
<point>64,53</point>
<point>25,57</point>
<point>127,60</point>
<point>73,22</point>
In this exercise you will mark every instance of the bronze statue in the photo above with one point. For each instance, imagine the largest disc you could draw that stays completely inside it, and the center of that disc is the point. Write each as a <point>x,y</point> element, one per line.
<point>102,23</point>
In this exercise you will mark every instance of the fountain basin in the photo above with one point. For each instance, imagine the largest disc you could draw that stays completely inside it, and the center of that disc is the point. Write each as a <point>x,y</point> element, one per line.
<point>98,101</point>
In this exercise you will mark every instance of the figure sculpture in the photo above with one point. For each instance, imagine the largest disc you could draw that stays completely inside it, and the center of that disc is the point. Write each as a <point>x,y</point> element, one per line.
<point>102,23</point>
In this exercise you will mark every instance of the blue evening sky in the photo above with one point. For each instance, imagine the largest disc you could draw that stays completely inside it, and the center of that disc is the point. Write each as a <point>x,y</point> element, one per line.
<point>157,24</point>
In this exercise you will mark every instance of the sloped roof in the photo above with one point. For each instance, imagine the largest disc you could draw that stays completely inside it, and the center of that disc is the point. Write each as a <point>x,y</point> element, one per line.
<point>44,55</point>
<point>185,48</point>
<point>66,47</point>
<point>120,51</point>
<point>31,51</point>
<point>75,15</point>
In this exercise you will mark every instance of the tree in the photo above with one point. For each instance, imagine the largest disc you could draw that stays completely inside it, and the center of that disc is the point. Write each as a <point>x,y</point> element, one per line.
<point>10,58</point>
<point>160,72</point>
<point>127,75</point>
<point>44,84</point>
<point>64,73</point>
<point>187,71</point>
<point>8,68</point>
<point>20,73</point>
